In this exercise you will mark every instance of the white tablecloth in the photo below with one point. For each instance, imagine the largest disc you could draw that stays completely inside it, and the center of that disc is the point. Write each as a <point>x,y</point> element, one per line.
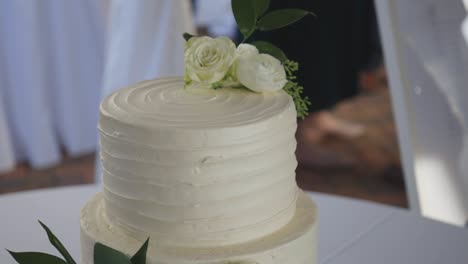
<point>351,231</point>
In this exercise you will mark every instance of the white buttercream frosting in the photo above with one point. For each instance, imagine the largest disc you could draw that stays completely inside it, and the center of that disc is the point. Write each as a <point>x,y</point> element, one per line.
<point>294,243</point>
<point>198,167</point>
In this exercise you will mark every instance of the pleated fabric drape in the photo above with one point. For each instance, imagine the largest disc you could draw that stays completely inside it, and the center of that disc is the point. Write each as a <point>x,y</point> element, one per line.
<point>51,64</point>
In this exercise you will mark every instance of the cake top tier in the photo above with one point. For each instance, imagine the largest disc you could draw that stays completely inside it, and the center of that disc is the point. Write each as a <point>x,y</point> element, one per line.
<point>164,106</point>
<point>165,103</point>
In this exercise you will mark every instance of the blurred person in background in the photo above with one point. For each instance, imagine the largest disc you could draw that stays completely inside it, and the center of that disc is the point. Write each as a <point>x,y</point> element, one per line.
<point>357,133</point>
<point>351,123</point>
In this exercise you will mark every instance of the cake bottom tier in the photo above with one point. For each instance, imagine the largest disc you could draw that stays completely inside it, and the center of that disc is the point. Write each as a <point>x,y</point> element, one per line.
<point>295,243</point>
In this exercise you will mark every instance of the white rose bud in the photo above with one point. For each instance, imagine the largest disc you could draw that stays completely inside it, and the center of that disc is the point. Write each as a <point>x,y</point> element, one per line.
<point>207,60</point>
<point>261,73</point>
<point>244,50</point>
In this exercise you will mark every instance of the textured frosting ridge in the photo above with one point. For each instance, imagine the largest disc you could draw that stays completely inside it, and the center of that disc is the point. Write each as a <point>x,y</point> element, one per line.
<point>198,167</point>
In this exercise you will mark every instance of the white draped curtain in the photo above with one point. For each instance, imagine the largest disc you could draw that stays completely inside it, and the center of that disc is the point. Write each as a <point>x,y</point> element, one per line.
<point>58,58</point>
<point>51,55</point>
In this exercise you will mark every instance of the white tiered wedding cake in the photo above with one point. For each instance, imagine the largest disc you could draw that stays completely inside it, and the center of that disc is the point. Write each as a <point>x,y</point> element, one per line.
<point>208,175</point>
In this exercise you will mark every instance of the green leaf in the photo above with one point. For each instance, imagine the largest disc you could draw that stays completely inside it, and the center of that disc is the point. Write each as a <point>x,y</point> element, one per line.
<point>187,36</point>
<point>261,6</point>
<point>58,245</point>
<point>281,18</point>
<point>140,256</point>
<point>268,48</point>
<point>244,13</point>
<point>35,258</point>
<point>106,255</point>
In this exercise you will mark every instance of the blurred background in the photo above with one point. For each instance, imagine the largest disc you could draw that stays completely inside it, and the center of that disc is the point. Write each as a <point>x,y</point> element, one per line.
<point>387,82</point>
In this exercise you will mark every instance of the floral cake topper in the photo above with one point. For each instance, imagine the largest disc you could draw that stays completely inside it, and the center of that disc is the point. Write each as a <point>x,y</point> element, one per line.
<point>258,66</point>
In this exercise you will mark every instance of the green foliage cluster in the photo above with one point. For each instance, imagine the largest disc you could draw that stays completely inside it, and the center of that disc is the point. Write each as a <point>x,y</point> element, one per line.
<point>102,254</point>
<point>295,90</point>
<point>253,15</point>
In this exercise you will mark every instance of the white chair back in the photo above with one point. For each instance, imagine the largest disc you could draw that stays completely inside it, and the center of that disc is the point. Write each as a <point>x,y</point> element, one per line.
<point>426,62</point>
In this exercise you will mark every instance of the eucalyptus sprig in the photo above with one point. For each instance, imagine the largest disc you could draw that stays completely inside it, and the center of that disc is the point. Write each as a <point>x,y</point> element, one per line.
<point>102,254</point>
<point>295,90</point>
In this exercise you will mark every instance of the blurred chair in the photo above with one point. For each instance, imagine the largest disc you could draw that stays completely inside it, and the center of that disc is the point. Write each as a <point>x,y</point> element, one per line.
<point>51,68</point>
<point>144,42</point>
<point>424,53</point>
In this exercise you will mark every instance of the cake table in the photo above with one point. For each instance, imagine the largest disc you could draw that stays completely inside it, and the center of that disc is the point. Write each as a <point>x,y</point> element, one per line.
<point>351,231</point>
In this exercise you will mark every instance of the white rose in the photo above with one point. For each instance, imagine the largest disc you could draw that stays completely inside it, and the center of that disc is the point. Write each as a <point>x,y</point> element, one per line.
<point>244,50</point>
<point>261,73</point>
<point>207,60</point>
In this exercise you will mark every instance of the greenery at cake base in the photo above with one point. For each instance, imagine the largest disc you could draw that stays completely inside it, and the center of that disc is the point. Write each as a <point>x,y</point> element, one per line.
<point>102,254</point>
